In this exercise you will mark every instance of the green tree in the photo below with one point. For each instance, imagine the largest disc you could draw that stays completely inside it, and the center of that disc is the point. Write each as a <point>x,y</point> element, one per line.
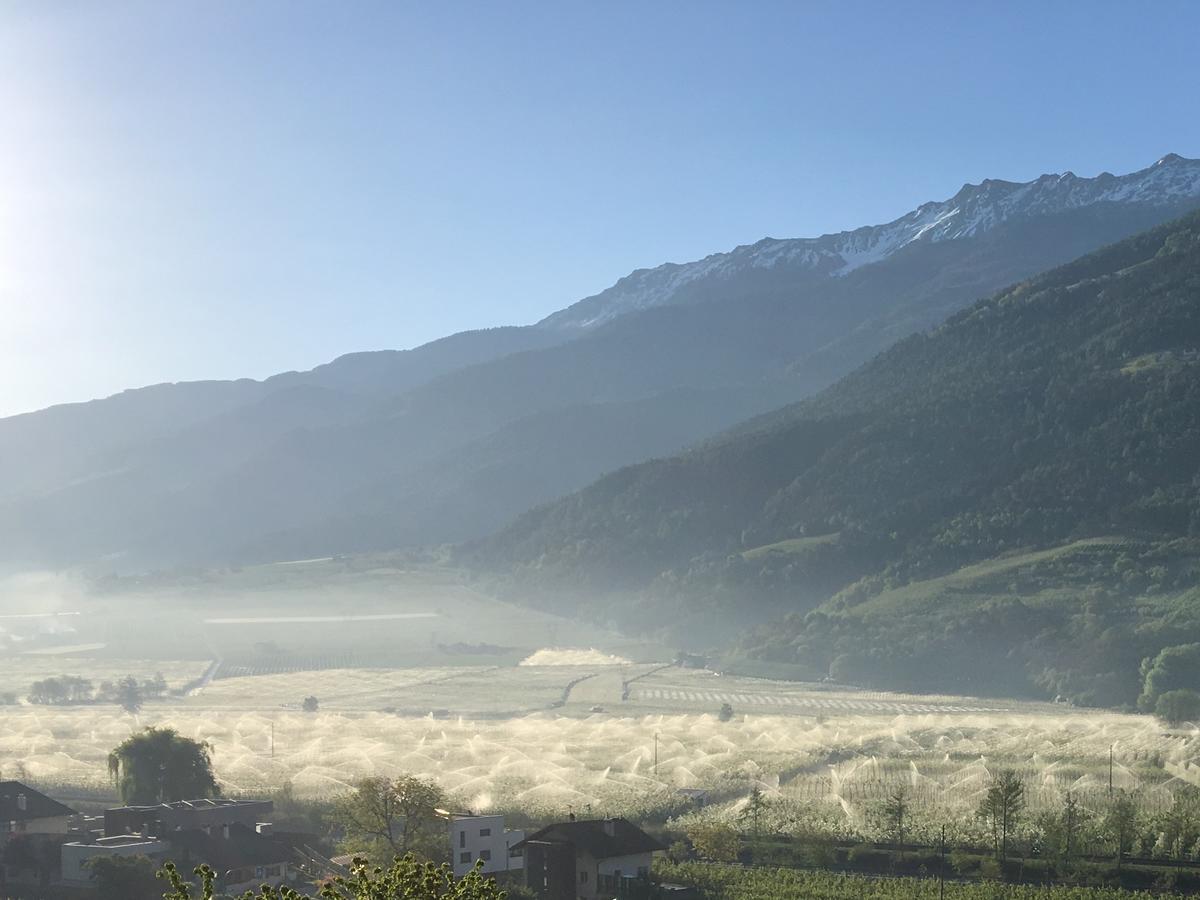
<point>756,806</point>
<point>392,817</point>
<point>725,713</point>
<point>1120,824</point>
<point>1174,668</point>
<point>895,811</point>
<point>1001,808</point>
<point>1178,706</point>
<point>715,841</point>
<point>159,765</point>
<point>311,704</point>
<point>129,694</point>
<point>405,879</point>
<point>125,878</point>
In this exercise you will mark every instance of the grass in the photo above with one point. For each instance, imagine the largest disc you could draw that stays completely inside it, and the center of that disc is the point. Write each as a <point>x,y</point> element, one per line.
<point>789,547</point>
<point>970,582</point>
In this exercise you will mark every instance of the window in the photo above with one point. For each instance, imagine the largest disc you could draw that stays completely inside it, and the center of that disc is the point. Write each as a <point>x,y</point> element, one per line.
<point>462,839</point>
<point>485,832</point>
<point>485,855</point>
<point>583,877</point>
<point>464,857</point>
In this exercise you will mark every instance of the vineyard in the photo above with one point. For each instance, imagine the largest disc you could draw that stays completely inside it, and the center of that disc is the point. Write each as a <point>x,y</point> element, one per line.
<point>736,883</point>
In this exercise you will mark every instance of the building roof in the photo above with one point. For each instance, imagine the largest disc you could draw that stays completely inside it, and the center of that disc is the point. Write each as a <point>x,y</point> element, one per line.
<point>601,838</point>
<point>243,847</point>
<point>37,805</point>
<point>186,805</point>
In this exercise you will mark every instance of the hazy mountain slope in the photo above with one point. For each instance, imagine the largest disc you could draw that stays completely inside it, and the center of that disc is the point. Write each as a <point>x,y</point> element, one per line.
<point>1066,408</point>
<point>398,443</point>
<point>53,448</point>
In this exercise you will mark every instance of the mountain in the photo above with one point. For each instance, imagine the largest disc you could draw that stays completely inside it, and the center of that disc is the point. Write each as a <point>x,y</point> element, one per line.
<point>451,440</point>
<point>1007,504</point>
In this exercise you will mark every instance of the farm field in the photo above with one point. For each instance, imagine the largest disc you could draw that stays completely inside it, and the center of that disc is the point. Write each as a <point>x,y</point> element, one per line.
<point>830,770</point>
<point>513,709</point>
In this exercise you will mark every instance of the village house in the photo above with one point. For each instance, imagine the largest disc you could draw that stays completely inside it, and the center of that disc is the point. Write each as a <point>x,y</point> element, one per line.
<point>475,839</point>
<point>583,860</point>
<point>32,828</point>
<point>229,835</point>
<point>26,811</point>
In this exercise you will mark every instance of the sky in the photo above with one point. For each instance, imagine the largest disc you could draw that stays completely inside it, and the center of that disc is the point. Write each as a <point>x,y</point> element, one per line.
<point>227,189</point>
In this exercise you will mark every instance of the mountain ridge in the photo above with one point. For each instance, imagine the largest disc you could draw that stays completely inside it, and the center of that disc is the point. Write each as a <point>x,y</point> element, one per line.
<point>973,209</point>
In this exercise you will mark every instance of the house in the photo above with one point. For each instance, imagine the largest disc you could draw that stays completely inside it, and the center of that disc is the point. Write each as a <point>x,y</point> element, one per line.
<point>77,855</point>
<point>474,838</point>
<point>228,835</point>
<point>26,811</point>
<point>202,815</point>
<point>243,856</point>
<point>582,860</point>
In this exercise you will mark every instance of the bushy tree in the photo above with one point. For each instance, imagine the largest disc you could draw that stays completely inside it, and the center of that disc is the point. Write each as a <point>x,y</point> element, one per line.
<point>129,694</point>
<point>1178,706</point>
<point>1174,668</point>
<point>715,841</point>
<point>405,879</point>
<point>63,689</point>
<point>392,817</point>
<point>125,878</point>
<point>1120,824</point>
<point>895,812</point>
<point>725,713</point>
<point>311,704</point>
<point>159,765</point>
<point>1001,808</point>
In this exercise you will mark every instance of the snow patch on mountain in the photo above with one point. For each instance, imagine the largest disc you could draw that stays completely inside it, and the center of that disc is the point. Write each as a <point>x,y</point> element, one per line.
<point>974,210</point>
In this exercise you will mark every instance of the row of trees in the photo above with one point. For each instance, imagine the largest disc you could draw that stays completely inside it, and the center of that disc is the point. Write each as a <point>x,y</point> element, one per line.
<point>129,693</point>
<point>1060,835</point>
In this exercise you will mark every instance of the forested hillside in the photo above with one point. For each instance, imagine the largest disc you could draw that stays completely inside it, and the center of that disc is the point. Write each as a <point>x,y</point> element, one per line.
<point>1010,503</point>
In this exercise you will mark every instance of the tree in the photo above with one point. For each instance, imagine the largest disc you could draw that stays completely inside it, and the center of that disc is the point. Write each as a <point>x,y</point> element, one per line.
<point>311,704</point>
<point>129,694</point>
<point>159,765</point>
<point>1001,807</point>
<point>715,841</point>
<point>1178,706</point>
<point>1119,823</point>
<point>1174,668</point>
<point>124,878</point>
<point>756,805</point>
<point>63,689</point>
<point>393,817</point>
<point>895,811</point>
<point>1060,830</point>
<point>725,713</point>
<point>404,879</point>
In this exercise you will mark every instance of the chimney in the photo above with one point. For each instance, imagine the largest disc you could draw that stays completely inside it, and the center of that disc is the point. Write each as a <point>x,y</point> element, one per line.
<point>262,827</point>
<point>22,802</point>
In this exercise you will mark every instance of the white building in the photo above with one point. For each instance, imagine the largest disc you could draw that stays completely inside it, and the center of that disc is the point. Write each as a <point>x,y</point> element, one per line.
<point>77,855</point>
<point>475,838</point>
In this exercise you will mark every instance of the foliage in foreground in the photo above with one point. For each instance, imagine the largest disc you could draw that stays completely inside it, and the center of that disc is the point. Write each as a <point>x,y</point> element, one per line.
<point>405,879</point>
<point>737,883</point>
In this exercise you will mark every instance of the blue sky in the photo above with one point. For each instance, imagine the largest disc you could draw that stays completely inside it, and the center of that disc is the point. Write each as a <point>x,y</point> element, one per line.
<point>222,189</point>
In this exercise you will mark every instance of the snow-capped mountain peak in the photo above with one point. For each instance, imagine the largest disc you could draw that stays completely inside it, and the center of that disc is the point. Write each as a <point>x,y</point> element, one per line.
<point>974,210</point>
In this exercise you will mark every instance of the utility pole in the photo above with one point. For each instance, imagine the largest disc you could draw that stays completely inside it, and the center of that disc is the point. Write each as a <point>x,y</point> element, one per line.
<point>272,739</point>
<point>1110,769</point>
<point>656,753</point>
<point>942,867</point>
